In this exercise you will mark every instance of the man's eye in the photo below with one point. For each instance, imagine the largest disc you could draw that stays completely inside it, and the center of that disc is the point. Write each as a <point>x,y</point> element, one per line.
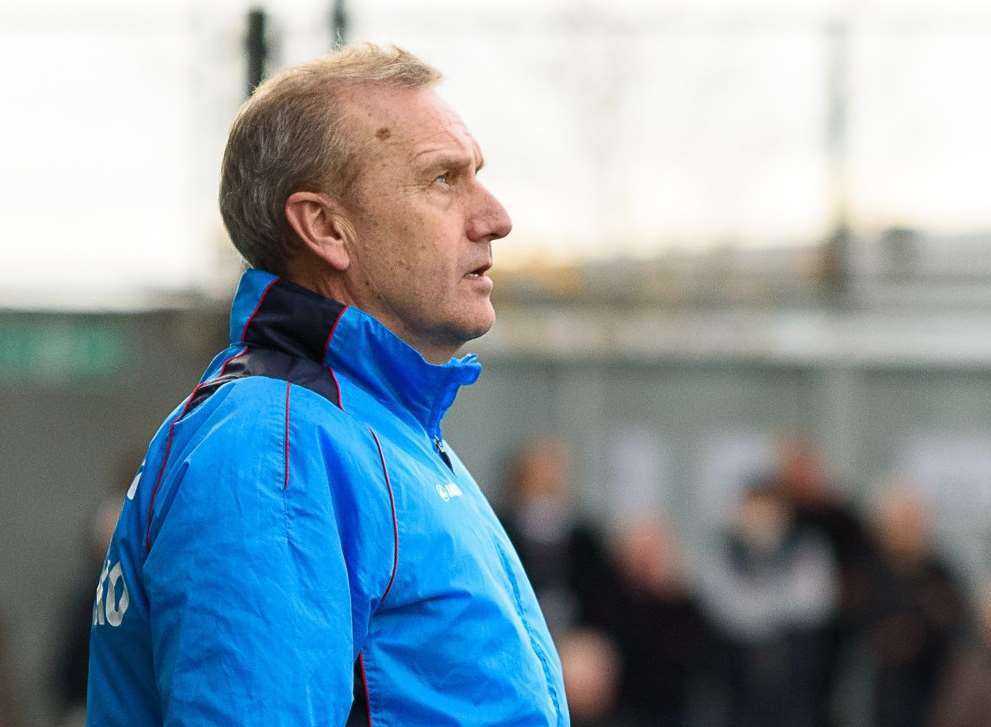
<point>443,178</point>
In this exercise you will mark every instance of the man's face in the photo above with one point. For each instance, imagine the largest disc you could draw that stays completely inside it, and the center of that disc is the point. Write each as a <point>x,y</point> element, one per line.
<point>423,222</point>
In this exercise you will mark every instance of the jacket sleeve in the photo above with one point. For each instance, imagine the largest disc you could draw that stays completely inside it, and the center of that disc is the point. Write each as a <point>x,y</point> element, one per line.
<point>256,611</point>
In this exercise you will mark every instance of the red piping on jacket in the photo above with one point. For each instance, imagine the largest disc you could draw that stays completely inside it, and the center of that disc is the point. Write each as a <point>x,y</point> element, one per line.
<point>364,684</point>
<point>395,521</point>
<point>326,348</point>
<point>223,369</point>
<point>261,299</point>
<point>185,409</point>
<point>285,478</point>
<point>168,448</point>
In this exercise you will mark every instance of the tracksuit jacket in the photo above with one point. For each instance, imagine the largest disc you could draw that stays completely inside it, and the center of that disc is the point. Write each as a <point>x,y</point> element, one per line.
<point>299,529</point>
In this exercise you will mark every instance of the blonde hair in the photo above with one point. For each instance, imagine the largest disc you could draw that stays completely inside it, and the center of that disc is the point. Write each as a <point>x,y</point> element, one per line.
<point>291,135</point>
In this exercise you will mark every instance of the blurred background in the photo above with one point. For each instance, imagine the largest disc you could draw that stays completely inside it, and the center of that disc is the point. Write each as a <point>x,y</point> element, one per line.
<point>737,407</point>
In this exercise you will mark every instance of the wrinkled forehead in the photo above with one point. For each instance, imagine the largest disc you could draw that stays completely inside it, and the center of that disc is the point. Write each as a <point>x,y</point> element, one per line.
<point>401,124</point>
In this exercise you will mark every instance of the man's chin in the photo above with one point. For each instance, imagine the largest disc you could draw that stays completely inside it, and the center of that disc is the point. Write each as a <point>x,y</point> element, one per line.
<point>479,331</point>
<point>481,324</point>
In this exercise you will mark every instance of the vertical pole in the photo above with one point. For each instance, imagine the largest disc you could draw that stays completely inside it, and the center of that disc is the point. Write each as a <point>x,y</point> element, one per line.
<point>837,253</point>
<point>839,392</point>
<point>340,24</point>
<point>256,48</point>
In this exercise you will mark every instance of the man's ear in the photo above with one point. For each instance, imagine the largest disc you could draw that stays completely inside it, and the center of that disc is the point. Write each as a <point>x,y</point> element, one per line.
<point>321,226</point>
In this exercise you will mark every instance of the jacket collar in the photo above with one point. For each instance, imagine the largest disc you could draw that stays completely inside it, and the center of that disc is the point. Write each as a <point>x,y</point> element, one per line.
<point>269,312</point>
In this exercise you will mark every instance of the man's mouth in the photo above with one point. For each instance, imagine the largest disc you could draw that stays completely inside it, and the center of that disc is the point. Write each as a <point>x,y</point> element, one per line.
<point>479,271</point>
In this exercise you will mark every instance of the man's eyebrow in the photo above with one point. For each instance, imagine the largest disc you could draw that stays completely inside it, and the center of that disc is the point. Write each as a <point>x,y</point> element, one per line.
<point>446,157</point>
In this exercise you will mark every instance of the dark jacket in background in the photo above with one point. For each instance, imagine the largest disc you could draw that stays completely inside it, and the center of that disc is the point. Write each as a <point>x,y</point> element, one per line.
<point>918,612</point>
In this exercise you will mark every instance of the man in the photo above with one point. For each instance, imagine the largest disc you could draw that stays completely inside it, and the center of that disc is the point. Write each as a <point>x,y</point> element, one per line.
<point>299,523</point>
<point>820,510</point>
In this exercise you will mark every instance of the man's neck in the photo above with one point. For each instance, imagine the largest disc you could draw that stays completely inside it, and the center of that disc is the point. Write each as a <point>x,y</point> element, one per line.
<point>329,287</point>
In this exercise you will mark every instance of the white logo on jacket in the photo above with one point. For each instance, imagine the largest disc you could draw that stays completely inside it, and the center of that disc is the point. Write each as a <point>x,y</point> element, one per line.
<point>448,490</point>
<point>108,608</point>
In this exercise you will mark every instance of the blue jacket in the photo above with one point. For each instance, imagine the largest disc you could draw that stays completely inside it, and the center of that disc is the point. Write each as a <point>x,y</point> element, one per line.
<point>299,520</point>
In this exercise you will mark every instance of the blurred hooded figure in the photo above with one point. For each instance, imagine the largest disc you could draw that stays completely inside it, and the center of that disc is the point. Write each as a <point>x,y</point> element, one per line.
<point>771,589</point>
<point>919,609</point>
<point>821,510</point>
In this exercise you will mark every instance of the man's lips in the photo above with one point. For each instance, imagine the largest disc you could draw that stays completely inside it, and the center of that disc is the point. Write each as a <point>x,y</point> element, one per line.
<point>479,271</point>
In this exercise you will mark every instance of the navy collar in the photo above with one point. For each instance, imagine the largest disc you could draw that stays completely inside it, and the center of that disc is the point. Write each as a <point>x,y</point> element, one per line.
<point>272,313</point>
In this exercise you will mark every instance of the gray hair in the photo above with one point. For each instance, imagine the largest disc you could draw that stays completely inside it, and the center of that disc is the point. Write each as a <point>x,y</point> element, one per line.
<point>292,135</point>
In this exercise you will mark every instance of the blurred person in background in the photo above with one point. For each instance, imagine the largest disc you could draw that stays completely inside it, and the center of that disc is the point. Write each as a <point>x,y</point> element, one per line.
<point>771,590</point>
<point>300,523</point>
<point>918,608</point>
<point>592,669</point>
<point>649,608</point>
<point>561,552</point>
<point>820,509</point>
<point>964,697</point>
<point>72,657</point>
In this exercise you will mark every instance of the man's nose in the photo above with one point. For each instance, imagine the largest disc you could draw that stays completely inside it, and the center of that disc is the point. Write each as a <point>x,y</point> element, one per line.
<point>489,220</point>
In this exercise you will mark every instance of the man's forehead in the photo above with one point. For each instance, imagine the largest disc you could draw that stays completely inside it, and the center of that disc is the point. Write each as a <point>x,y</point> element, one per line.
<point>415,122</point>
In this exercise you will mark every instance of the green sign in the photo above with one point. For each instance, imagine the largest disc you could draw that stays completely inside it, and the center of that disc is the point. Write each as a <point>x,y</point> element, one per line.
<point>59,350</point>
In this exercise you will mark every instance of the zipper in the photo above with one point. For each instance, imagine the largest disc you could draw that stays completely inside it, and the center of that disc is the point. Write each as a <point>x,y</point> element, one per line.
<point>439,446</point>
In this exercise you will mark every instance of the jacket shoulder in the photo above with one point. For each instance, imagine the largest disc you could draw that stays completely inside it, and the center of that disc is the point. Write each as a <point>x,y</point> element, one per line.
<point>253,433</point>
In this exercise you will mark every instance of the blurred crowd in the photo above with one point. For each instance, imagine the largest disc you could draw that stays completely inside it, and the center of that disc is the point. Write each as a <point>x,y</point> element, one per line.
<point>802,610</point>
